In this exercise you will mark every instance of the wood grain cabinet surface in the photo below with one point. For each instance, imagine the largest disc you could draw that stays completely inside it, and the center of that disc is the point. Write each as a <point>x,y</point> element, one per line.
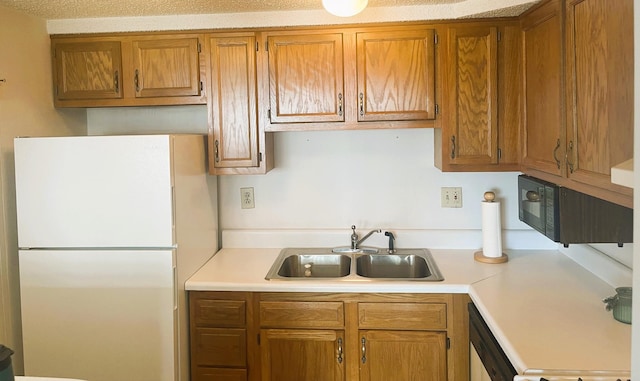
<point>324,79</point>
<point>219,335</point>
<point>481,114</point>
<point>326,336</point>
<point>237,144</point>
<point>127,70</point>
<point>578,99</point>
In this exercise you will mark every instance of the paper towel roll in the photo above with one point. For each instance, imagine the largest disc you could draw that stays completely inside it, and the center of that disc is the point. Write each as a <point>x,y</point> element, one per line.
<point>491,230</point>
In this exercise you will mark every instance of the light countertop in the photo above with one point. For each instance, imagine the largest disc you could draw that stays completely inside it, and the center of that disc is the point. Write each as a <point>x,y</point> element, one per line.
<point>545,310</point>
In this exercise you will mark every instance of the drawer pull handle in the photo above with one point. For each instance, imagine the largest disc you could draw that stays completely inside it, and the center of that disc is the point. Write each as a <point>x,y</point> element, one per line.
<point>364,350</point>
<point>570,156</point>
<point>555,154</point>
<point>340,350</point>
<point>340,104</point>
<point>217,154</point>
<point>361,104</point>
<point>453,147</point>
<point>136,81</point>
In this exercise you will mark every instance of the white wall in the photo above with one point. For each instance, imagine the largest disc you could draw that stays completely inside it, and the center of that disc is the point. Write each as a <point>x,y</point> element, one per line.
<point>331,180</point>
<point>26,109</point>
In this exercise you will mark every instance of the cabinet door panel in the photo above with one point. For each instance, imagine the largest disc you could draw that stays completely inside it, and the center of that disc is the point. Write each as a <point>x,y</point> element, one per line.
<point>166,68</point>
<point>306,78</point>
<point>233,114</point>
<point>396,75</point>
<point>473,87</point>
<point>543,139</point>
<point>600,88</point>
<point>295,355</point>
<point>88,70</point>
<point>403,356</point>
<point>220,346</point>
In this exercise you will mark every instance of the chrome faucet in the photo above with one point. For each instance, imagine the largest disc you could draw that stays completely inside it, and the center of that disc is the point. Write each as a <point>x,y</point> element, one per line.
<point>355,242</point>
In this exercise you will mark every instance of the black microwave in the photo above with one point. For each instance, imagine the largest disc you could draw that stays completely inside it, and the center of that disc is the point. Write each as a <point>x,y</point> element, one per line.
<point>567,216</point>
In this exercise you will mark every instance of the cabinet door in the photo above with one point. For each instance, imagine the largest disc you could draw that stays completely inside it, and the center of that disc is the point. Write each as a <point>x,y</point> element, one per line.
<point>396,75</point>
<point>403,356</point>
<point>473,95</point>
<point>543,118</point>
<point>234,137</point>
<point>599,89</point>
<point>295,355</point>
<point>306,78</point>
<point>88,70</point>
<point>167,67</point>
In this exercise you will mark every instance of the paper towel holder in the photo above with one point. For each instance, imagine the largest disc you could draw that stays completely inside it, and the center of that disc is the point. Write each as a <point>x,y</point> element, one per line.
<point>479,255</point>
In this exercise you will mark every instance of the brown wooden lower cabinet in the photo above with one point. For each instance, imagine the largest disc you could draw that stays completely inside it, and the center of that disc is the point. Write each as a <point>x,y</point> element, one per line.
<point>328,337</point>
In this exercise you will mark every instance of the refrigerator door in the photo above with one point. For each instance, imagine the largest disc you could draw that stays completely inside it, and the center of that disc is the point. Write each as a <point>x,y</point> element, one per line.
<point>99,315</point>
<point>95,191</point>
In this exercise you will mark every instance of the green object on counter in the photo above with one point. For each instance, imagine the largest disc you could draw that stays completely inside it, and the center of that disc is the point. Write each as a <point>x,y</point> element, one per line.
<point>620,304</point>
<point>6,370</point>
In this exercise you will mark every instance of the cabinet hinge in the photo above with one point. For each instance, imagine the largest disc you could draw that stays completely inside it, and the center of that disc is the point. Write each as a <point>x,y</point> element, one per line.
<point>269,114</point>
<point>448,343</point>
<point>499,153</point>
<point>201,86</point>
<point>266,46</point>
<point>499,36</point>
<point>257,46</point>
<point>437,109</point>
<point>199,47</point>
<point>435,38</point>
<point>259,157</point>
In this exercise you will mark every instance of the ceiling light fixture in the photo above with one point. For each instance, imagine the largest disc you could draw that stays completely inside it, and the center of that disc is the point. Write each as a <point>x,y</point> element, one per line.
<point>344,8</point>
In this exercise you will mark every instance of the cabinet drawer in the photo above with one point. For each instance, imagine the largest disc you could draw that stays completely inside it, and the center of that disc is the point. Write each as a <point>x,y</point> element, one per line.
<point>218,374</point>
<point>219,313</point>
<point>302,314</point>
<point>402,315</point>
<point>220,347</point>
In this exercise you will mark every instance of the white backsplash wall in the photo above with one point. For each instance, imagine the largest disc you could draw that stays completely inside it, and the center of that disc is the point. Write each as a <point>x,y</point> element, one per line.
<point>370,178</point>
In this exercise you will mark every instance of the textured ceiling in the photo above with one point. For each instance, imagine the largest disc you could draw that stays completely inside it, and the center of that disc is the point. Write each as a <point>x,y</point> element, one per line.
<point>77,9</point>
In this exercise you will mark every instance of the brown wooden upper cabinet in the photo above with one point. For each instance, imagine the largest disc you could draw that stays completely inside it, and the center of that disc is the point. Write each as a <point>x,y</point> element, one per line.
<point>543,106</point>
<point>343,79</point>
<point>127,70</point>
<point>87,70</point>
<point>396,75</point>
<point>481,118</point>
<point>578,107</point>
<point>237,145</point>
<point>306,78</point>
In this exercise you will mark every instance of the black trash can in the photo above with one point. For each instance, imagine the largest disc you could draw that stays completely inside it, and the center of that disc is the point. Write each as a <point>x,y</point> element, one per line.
<point>6,370</point>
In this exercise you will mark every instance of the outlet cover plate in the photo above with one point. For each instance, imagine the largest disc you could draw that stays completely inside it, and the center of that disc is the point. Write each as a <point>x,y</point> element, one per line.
<point>451,197</point>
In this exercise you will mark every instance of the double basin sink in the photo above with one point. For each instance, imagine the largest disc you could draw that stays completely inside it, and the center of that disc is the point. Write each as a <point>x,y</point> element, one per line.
<point>365,263</point>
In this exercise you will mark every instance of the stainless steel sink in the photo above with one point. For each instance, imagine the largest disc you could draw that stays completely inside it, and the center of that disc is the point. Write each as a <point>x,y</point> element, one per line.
<point>396,266</point>
<point>315,266</point>
<point>309,263</point>
<point>323,263</point>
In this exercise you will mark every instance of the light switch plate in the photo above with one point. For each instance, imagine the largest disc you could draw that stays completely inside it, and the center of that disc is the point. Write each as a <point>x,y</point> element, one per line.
<point>451,197</point>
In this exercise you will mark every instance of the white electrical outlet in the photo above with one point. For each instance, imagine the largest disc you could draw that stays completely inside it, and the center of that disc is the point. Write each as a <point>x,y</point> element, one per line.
<point>451,197</point>
<point>246,198</point>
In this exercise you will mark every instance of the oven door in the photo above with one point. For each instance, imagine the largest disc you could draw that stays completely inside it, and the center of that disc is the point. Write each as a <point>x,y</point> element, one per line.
<point>497,366</point>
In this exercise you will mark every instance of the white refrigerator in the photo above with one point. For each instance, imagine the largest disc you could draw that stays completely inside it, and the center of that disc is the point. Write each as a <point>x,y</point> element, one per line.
<point>109,229</point>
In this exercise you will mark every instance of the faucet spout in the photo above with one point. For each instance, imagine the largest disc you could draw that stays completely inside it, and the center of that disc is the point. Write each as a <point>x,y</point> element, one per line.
<point>367,236</point>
